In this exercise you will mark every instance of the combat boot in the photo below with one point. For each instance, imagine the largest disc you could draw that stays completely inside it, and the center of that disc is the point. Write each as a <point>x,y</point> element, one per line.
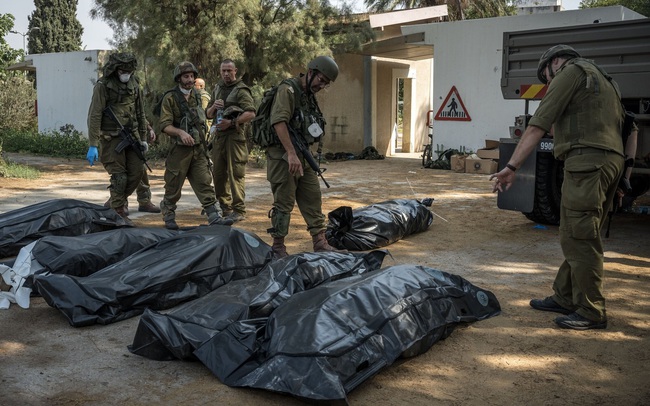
<point>279,249</point>
<point>170,221</point>
<point>148,207</point>
<point>214,217</point>
<point>321,244</point>
<point>107,204</point>
<point>122,213</point>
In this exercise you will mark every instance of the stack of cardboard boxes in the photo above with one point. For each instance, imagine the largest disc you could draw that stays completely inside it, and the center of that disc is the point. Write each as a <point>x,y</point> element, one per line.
<point>485,161</point>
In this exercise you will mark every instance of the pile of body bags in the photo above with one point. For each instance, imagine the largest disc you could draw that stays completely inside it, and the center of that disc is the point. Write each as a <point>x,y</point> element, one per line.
<point>313,325</point>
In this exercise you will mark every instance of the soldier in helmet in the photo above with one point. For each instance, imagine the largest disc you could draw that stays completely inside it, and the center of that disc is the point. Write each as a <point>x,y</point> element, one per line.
<point>230,151</point>
<point>292,179</point>
<point>118,90</point>
<point>583,106</point>
<point>182,117</point>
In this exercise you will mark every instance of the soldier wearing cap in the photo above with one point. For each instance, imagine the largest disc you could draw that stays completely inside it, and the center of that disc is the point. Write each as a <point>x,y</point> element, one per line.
<point>118,90</point>
<point>292,179</point>
<point>583,107</point>
<point>182,117</point>
<point>229,149</point>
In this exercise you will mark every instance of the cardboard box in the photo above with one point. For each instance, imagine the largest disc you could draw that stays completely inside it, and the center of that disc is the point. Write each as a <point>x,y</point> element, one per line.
<point>457,163</point>
<point>484,166</point>
<point>491,150</point>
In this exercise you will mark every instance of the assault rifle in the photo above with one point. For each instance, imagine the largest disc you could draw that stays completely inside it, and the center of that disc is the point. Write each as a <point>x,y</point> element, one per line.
<point>128,140</point>
<point>301,146</point>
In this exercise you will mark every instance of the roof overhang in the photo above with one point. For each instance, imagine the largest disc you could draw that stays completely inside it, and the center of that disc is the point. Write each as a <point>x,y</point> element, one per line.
<point>27,65</point>
<point>409,47</point>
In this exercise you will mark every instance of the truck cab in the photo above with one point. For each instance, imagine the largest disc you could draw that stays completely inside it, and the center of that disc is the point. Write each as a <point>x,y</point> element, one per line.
<point>621,49</point>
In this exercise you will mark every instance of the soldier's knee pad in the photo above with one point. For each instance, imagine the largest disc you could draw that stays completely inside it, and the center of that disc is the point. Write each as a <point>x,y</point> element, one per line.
<point>279,223</point>
<point>118,182</point>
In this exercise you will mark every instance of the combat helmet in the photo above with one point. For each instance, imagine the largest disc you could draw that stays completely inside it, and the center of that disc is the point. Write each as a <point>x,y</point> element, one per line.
<point>552,52</point>
<point>326,66</point>
<point>184,67</point>
<point>120,60</point>
<point>232,112</point>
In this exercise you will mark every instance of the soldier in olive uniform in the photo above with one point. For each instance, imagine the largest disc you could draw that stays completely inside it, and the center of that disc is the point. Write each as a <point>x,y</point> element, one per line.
<point>199,85</point>
<point>229,151</point>
<point>583,106</point>
<point>143,191</point>
<point>292,179</point>
<point>182,117</point>
<point>118,90</point>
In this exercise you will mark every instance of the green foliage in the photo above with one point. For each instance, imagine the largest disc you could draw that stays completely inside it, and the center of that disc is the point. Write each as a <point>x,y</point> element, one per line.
<point>640,6</point>
<point>14,170</point>
<point>267,39</point>
<point>257,157</point>
<point>489,8</point>
<point>457,9</point>
<point>67,142</point>
<point>53,27</point>
<point>17,101</point>
<point>8,55</point>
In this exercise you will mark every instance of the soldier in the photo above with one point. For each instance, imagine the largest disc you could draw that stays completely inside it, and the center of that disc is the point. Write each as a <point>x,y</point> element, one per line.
<point>584,108</point>
<point>199,85</point>
<point>118,90</point>
<point>182,117</point>
<point>143,191</point>
<point>292,180</point>
<point>230,151</point>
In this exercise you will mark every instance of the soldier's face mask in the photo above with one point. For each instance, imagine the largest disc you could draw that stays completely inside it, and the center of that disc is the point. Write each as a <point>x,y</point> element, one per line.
<point>123,75</point>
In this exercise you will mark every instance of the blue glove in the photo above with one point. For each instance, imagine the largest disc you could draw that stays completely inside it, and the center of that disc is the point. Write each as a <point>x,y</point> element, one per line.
<point>92,155</point>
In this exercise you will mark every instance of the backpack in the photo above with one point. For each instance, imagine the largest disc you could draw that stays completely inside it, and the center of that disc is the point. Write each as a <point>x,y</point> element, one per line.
<point>263,133</point>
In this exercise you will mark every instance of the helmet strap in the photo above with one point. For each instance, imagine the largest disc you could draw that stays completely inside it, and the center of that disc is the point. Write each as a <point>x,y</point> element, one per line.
<point>311,79</point>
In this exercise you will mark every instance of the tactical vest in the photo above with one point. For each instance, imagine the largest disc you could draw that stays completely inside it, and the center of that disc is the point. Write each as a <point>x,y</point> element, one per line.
<point>594,116</point>
<point>306,112</point>
<point>192,117</point>
<point>122,99</point>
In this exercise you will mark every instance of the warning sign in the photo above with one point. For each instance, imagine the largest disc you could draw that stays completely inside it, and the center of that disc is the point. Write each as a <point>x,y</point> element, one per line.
<point>453,109</point>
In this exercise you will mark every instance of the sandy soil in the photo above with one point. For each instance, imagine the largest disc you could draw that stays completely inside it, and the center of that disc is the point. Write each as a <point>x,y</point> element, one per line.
<point>519,357</point>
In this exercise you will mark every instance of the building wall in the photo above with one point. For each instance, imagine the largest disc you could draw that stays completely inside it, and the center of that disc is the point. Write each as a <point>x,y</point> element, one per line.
<point>343,104</point>
<point>468,55</point>
<point>65,84</point>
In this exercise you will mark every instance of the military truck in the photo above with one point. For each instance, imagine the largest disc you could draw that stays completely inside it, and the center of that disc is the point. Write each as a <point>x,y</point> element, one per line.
<point>623,50</point>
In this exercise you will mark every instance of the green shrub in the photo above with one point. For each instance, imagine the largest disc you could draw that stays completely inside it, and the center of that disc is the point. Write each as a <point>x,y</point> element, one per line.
<point>17,102</point>
<point>257,157</point>
<point>67,142</point>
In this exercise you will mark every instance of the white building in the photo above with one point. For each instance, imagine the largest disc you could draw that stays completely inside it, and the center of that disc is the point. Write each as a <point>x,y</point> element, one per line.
<point>64,87</point>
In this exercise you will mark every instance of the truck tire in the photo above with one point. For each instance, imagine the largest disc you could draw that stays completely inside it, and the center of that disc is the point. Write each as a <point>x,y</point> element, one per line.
<point>548,190</point>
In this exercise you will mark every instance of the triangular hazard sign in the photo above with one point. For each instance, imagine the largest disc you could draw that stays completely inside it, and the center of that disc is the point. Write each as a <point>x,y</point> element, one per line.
<point>453,109</point>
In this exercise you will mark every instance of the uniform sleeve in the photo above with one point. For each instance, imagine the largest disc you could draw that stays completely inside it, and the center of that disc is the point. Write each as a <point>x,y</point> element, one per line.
<point>167,111</point>
<point>557,98</point>
<point>95,113</point>
<point>245,100</point>
<point>283,104</point>
<point>141,116</point>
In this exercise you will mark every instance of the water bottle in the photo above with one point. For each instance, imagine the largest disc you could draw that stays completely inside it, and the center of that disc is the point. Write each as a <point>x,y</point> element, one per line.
<point>219,116</point>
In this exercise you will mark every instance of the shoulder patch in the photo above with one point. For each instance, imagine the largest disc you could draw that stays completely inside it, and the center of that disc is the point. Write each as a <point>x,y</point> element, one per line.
<point>291,89</point>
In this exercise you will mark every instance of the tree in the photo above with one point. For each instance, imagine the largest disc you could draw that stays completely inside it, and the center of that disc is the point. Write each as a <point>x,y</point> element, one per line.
<point>267,38</point>
<point>53,27</point>
<point>8,55</point>
<point>458,9</point>
<point>640,6</point>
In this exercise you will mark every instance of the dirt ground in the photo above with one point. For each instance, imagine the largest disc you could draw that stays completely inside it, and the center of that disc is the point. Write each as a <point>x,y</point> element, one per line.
<point>519,357</point>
